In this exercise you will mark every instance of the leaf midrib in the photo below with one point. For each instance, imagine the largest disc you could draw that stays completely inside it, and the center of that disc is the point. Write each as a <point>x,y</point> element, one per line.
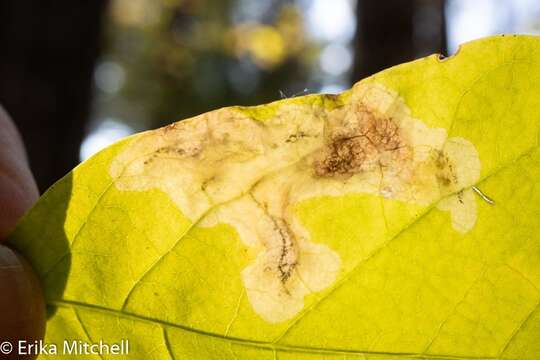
<point>78,307</point>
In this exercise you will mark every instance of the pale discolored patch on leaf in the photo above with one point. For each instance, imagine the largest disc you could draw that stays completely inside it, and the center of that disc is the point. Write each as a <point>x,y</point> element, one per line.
<point>251,174</point>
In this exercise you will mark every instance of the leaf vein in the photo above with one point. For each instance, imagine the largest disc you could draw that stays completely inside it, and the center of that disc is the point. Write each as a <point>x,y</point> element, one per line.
<point>398,234</point>
<point>258,344</point>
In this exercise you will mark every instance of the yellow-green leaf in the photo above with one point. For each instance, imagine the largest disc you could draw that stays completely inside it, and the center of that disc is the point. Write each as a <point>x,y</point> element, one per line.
<point>400,219</point>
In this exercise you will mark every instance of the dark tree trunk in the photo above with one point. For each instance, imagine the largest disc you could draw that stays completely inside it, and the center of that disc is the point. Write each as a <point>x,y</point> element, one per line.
<point>46,61</point>
<point>390,32</point>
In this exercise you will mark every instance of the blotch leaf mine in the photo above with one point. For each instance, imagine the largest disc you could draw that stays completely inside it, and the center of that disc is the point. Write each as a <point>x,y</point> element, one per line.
<point>398,220</point>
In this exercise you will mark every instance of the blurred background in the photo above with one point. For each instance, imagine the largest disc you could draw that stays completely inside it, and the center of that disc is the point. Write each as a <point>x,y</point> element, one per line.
<point>79,75</point>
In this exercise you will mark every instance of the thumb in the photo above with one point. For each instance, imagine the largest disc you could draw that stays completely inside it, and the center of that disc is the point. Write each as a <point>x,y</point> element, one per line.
<point>22,310</point>
<point>18,190</point>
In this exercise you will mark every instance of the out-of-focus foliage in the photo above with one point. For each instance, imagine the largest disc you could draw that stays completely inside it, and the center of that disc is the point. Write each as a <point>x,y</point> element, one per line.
<point>176,58</point>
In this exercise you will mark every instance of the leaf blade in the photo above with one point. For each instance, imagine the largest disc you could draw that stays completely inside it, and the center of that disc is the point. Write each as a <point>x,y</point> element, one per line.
<point>409,283</point>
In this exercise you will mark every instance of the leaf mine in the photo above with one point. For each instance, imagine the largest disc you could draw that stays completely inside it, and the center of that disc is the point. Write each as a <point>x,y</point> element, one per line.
<point>227,167</point>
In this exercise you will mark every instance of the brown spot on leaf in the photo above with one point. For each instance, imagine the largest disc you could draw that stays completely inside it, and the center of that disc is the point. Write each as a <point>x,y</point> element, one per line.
<point>288,256</point>
<point>353,147</point>
<point>445,172</point>
<point>295,137</point>
<point>332,97</point>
